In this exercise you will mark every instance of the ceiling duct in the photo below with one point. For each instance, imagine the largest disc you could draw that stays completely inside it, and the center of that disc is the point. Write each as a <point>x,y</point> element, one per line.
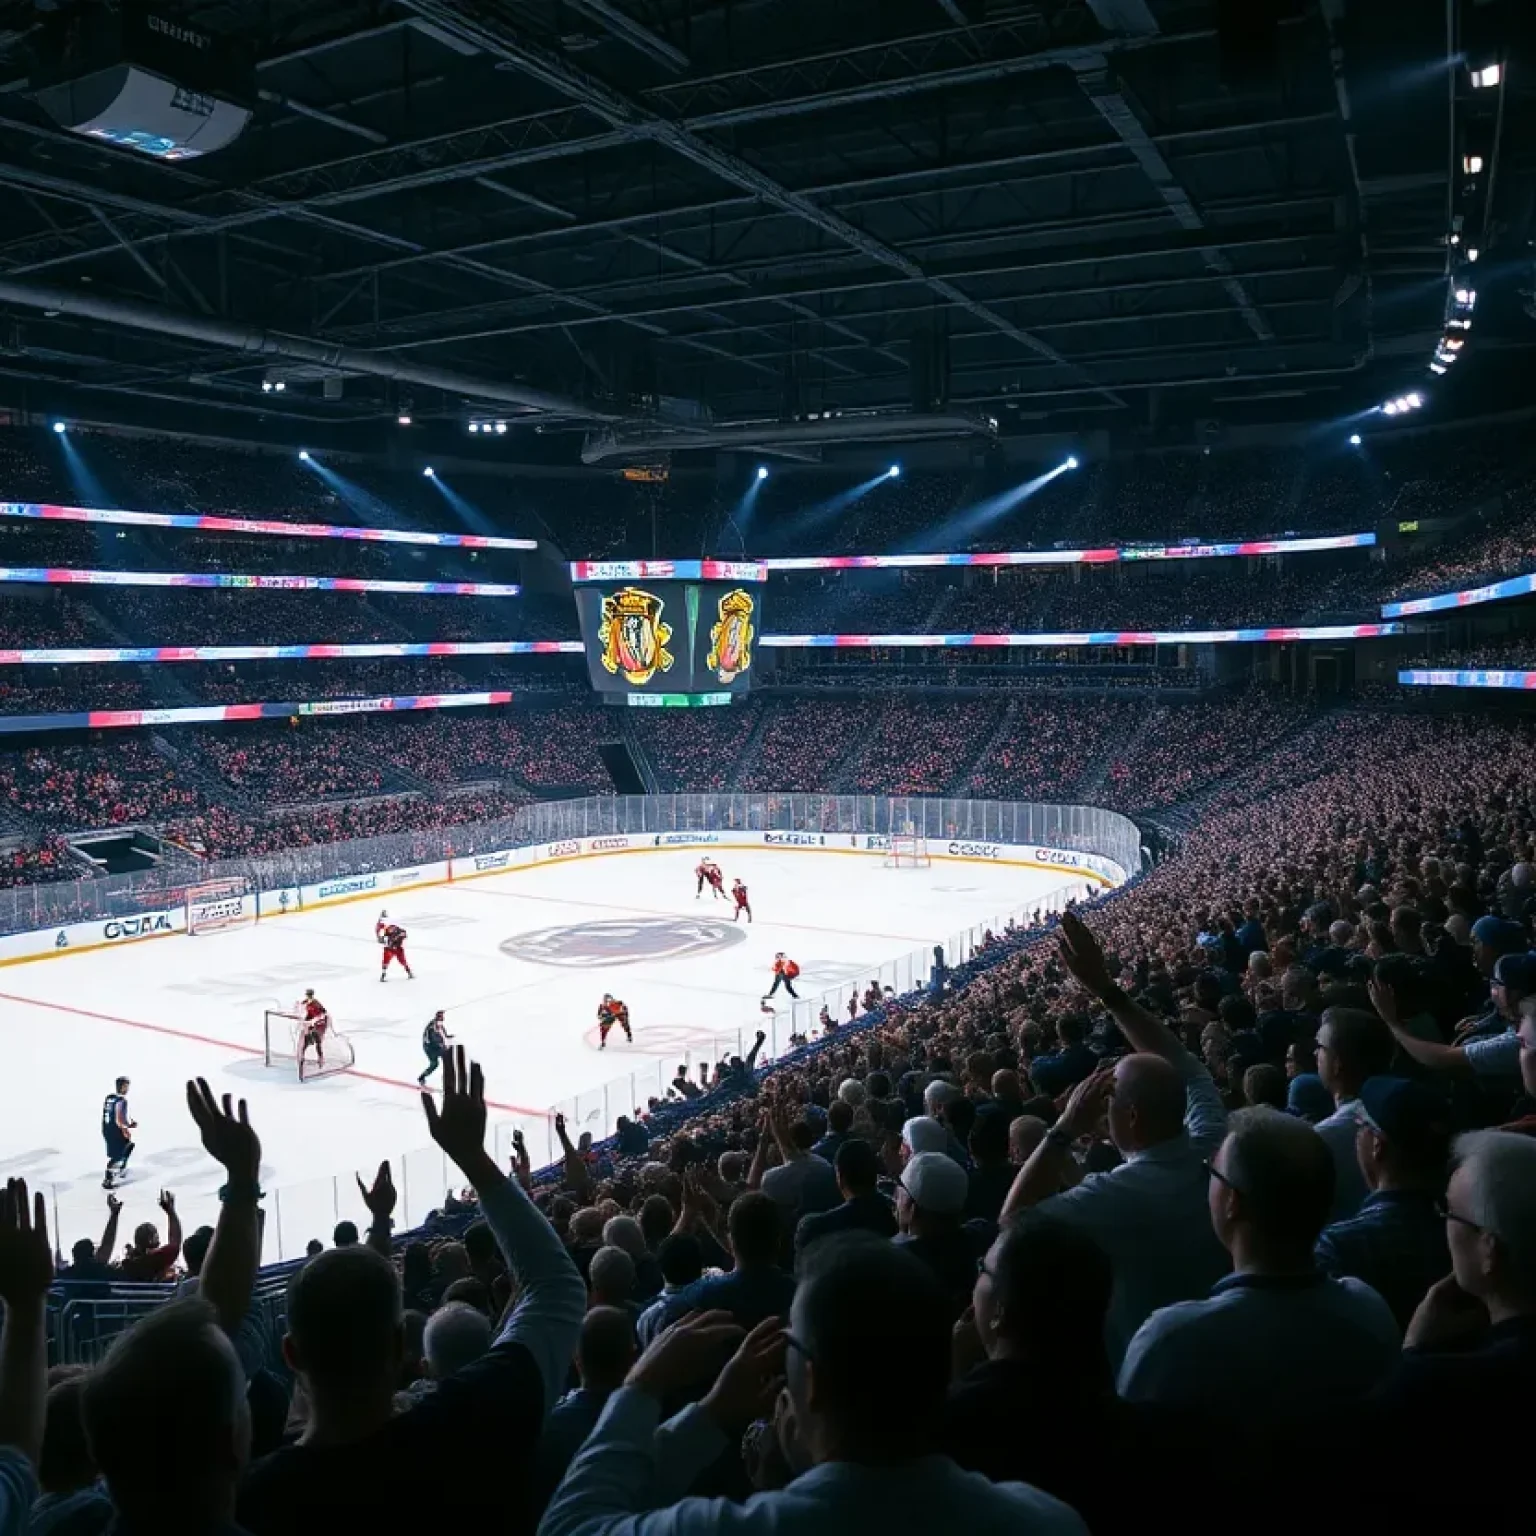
<point>630,442</point>
<point>257,343</point>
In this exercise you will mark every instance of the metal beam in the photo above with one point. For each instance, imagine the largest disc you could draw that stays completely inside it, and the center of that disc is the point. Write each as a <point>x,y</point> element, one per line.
<point>624,27</point>
<point>1115,104</point>
<point>640,123</point>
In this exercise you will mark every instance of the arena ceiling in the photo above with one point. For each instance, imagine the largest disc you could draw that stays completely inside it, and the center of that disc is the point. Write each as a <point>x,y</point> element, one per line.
<point>591,213</point>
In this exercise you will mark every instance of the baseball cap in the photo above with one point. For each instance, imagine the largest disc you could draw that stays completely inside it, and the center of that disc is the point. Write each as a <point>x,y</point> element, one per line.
<point>1498,933</point>
<point>936,1183</point>
<point>1413,1114</point>
<point>922,1133</point>
<point>1517,972</point>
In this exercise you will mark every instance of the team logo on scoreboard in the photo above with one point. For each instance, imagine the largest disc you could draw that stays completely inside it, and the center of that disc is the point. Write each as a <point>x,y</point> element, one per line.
<point>634,636</point>
<point>730,639</point>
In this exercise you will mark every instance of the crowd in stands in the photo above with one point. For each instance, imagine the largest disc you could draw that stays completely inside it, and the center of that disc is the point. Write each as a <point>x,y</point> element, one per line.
<point>914,749</point>
<point>1513,654</point>
<point>37,863</point>
<point>1240,1158</point>
<point>74,787</point>
<point>1486,551</point>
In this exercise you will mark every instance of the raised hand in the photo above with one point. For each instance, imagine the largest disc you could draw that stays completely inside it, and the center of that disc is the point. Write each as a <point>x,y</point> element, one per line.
<point>457,1123</point>
<point>685,1355</point>
<point>1083,955</point>
<point>746,1388</point>
<point>228,1136</point>
<point>167,1202</point>
<point>1086,1103</point>
<point>26,1261</point>
<point>380,1199</point>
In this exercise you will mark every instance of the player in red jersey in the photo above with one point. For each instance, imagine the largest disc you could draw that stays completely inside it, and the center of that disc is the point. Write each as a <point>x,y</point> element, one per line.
<point>610,1012</point>
<point>716,881</point>
<point>739,896</point>
<point>701,869</point>
<point>314,1020</point>
<point>392,937</point>
<point>784,973</point>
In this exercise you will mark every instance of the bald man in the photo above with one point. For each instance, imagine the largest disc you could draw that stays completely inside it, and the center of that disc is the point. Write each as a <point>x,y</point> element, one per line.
<point>1165,1116</point>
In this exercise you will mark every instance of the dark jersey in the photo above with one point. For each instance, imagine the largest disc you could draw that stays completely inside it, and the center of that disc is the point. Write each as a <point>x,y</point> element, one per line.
<point>394,936</point>
<point>432,1038</point>
<point>109,1115</point>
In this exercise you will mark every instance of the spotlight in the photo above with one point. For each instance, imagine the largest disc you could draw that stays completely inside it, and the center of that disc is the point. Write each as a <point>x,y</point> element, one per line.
<point>1472,164</point>
<point>1471,253</point>
<point>894,472</point>
<point>1484,79</point>
<point>430,473</point>
<point>58,427</point>
<point>1072,462</point>
<point>266,386</point>
<point>280,386</point>
<point>404,421</point>
<point>304,454</point>
<point>1354,439</point>
<point>1437,367</point>
<point>762,471</point>
<point>501,429</point>
<point>1390,408</point>
<point>474,426</point>
<point>1415,400</point>
<point>1467,297</point>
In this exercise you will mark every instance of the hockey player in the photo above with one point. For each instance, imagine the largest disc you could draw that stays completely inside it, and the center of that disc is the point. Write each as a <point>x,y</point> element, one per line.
<point>739,896</point>
<point>784,973</point>
<point>610,1012</point>
<point>314,1019</point>
<point>701,870</point>
<point>434,1041</point>
<point>392,937</point>
<point>117,1132</point>
<point>716,881</point>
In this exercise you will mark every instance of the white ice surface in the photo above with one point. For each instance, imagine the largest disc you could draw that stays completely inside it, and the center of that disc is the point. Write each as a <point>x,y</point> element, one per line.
<point>165,1010</point>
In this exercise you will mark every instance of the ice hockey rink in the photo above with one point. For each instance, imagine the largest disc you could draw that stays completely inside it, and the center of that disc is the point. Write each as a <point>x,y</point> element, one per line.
<point>519,961</point>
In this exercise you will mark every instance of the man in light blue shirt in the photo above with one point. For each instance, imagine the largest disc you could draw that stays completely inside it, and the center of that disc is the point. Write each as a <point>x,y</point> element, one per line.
<point>1165,1117</point>
<point>866,1359</point>
<point>1277,1336</point>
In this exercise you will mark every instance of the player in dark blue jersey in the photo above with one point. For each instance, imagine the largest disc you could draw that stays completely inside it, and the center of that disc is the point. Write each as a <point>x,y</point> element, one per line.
<point>434,1041</point>
<point>117,1131</point>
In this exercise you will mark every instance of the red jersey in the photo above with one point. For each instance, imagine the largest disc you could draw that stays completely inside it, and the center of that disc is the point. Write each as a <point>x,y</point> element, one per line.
<point>739,891</point>
<point>786,968</point>
<point>393,936</point>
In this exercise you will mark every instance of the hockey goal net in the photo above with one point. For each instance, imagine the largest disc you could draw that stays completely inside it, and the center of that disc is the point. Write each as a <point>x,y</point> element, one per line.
<point>907,850</point>
<point>217,905</point>
<point>283,1035</point>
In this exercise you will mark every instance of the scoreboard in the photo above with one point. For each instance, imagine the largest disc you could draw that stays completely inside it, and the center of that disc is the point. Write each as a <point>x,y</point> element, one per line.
<point>676,632</point>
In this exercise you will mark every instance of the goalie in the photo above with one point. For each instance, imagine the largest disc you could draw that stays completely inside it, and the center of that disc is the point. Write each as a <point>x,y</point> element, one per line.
<point>314,1020</point>
<point>392,937</point>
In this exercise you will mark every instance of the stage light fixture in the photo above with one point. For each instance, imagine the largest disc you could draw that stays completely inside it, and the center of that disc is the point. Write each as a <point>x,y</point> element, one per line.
<point>430,473</point>
<point>501,429</point>
<point>1354,439</point>
<point>1437,367</point>
<point>280,386</point>
<point>403,420</point>
<point>1471,253</point>
<point>1415,400</point>
<point>1072,462</point>
<point>1390,408</point>
<point>894,472</point>
<point>1472,164</point>
<point>474,426</point>
<point>58,427</point>
<point>1467,297</point>
<point>1487,77</point>
<point>762,471</point>
<point>266,386</point>
<point>304,455</point>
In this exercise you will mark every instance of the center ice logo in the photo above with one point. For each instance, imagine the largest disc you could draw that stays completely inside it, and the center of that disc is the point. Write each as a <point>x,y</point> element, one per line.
<point>621,940</point>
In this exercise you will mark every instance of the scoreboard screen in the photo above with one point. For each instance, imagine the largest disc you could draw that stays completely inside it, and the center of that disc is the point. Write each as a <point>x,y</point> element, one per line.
<point>670,627</point>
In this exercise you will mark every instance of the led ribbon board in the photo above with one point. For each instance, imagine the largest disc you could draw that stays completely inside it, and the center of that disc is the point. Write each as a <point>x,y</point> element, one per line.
<point>98,719</point>
<point>1091,637</point>
<point>210,523</point>
<point>1110,556</point>
<point>47,575</point>
<point>1416,677</point>
<point>1469,597</point>
<point>368,652</point>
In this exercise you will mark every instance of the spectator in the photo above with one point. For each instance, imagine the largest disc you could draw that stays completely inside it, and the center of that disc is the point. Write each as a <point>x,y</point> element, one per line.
<point>345,1234</point>
<point>858,1464</point>
<point>1025,1133</point>
<point>604,1354</point>
<point>922,1133</point>
<point>148,1259</point>
<point>1396,1242</point>
<point>756,1287</point>
<point>991,1171</point>
<point>1041,1407</point>
<point>930,1202</point>
<point>456,1336</point>
<point>1277,1332</point>
<point>1352,1045</point>
<point>864,1208</point>
<point>1150,1214</point>
<point>680,1259</point>
<point>344,1344</point>
<point>804,1183</point>
<point>611,1279</point>
<point>839,1125</point>
<point>72,1501</point>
